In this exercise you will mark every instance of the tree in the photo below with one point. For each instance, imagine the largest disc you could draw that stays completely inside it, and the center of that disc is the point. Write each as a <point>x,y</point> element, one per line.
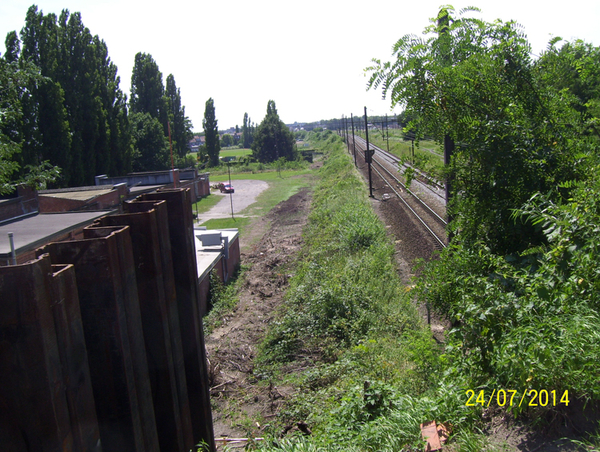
<point>573,69</point>
<point>13,47</point>
<point>474,82</point>
<point>211,133</point>
<point>272,139</point>
<point>246,132</point>
<point>150,144</point>
<point>147,87</point>
<point>76,117</point>
<point>14,80</point>
<point>181,126</point>
<point>227,140</point>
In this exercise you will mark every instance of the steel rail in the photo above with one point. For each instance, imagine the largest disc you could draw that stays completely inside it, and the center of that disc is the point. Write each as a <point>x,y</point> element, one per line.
<point>409,191</point>
<point>433,234</point>
<point>419,173</point>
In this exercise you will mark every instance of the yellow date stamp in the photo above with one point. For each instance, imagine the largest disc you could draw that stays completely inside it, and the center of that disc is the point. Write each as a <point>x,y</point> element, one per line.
<point>512,397</point>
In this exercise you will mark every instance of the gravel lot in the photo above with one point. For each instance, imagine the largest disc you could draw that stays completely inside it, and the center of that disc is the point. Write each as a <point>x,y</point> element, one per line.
<point>246,192</point>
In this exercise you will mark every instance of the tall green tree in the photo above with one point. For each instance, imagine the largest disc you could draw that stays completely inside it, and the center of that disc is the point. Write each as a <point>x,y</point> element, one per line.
<point>147,87</point>
<point>273,140</point>
<point>181,126</point>
<point>246,132</point>
<point>77,118</point>
<point>211,133</point>
<point>15,79</point>
<point>475,82</point>
<point>150,144</point>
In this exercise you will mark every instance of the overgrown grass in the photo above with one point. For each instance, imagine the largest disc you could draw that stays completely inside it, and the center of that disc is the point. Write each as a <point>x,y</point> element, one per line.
<point>371,369</point>
<point>222,299</point>
<point>238,222</point>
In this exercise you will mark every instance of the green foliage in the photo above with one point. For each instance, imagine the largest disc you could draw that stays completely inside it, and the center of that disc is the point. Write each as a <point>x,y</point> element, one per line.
<point>272,139</point>
<point>150,143</point>
<point>226,140</point>
<point>211,132</point>
<point>222,298</point>
<point>14,79</point>
<point>74,116</point>
<point>475,82</point>
<point>180,124</point>
<point>247,132</point>
<point>188,161</point>
<point>528,320</point>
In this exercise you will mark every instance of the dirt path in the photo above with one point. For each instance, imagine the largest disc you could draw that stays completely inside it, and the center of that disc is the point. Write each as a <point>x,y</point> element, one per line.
<point>231,348</point>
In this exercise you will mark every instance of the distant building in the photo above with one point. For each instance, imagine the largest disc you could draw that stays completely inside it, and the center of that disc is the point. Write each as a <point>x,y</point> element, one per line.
<point>196,142</point>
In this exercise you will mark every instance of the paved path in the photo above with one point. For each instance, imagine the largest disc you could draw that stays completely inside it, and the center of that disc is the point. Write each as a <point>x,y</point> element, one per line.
<point>246,192</point>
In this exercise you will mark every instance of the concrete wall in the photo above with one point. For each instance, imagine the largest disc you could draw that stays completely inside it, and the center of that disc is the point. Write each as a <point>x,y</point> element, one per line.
<point>112,199</point>
<point>25,203</point>
<point>149,178</point>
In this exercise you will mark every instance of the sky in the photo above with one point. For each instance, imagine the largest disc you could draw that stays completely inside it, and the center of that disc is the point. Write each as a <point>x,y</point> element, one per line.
<point>309,57</point>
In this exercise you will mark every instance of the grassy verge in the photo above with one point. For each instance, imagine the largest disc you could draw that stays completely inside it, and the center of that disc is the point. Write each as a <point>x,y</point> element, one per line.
<point>205,204</point>
<point>282,185</point>
<point>365,368</point>
<point>235,152</point>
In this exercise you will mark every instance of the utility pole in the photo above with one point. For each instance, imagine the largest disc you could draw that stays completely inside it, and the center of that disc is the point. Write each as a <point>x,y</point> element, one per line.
<point>387,133</point>
<point>444,38</point>
<point>230,194</point>
<point>346,132</point>
<point>368,154</point>
<point>353,139</point>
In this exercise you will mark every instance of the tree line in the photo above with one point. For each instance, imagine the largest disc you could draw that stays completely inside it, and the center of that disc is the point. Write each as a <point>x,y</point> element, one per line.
<point>64,117</point>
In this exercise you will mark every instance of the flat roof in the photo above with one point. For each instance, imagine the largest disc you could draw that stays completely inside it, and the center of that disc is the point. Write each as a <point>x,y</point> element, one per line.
<point>33,232</point>
<point>78,195</point>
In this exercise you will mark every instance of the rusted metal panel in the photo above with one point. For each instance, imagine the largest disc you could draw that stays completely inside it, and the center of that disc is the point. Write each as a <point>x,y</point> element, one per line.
<point>160,208</point>
<point>74,359</point>
<point>145,241</point>
<point>181,230</point>
<point>127,273</point>
<point>34,414</point>
<point>108,300</point>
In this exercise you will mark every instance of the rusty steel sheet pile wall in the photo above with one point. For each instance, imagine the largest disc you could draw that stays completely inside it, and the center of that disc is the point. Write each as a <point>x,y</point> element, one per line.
<point>181,230</point>
<point>110,313</point>
<point>33,407</point>
<point>101,342</point>
<point>74,359</point>
<point>172,417</point>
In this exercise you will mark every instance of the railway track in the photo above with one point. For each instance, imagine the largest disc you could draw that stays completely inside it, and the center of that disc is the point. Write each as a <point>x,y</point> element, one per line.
<point>429,217</point>
<point>426,181</point>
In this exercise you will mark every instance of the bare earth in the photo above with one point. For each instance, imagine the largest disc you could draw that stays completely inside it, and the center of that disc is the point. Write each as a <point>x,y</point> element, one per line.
<point>231,348</point>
